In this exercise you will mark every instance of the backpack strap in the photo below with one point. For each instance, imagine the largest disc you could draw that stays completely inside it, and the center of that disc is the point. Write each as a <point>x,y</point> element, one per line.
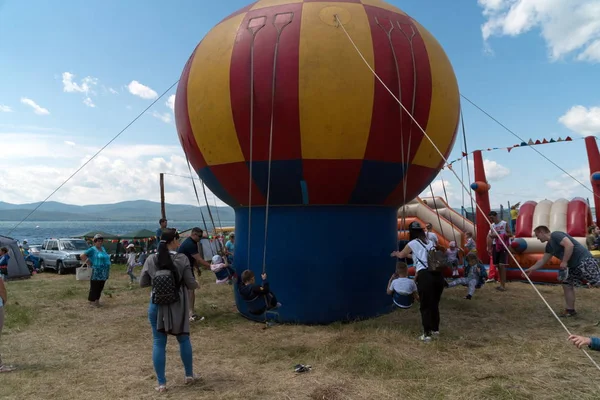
<point>418,259</point>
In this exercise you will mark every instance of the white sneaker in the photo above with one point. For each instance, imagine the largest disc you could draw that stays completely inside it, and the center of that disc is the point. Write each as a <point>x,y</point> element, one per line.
<point>436,333</point>
<point>425,339</point>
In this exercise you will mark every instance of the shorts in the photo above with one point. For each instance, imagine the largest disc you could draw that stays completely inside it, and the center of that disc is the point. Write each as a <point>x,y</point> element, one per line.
<point>588,271</point>
<point>499,257</point>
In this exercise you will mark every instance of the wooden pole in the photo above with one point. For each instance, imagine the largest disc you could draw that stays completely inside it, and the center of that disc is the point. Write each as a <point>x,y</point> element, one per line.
<point>163,212</point>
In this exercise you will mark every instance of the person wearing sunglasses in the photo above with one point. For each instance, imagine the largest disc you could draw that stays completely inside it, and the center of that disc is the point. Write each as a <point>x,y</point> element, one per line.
<point>99,260</point>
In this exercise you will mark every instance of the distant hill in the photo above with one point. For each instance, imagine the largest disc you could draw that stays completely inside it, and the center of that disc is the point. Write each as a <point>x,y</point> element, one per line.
<point>139,210</point>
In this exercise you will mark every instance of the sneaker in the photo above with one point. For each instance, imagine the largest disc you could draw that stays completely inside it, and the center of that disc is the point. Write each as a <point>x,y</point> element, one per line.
<point>490,281</point>
<point>468,297</point>
<point>435,333</point>
<point>425,339</point>
<point>568,313</point>
<point>563,274</point>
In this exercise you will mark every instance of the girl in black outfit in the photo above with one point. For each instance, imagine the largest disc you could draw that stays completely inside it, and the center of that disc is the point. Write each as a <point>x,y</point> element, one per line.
<point>430,284</point>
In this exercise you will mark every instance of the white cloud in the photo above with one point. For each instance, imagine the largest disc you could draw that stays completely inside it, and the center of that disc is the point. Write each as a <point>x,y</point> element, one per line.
<point>88,102</point>
<point>120,173</point>
<point>567,26</point>
<point>171,102</point>
<point>495,171</point>
<point>36,108</point>
<point>567,187</point>
<point>6,109</point>
<point>582,120</point>
<point>164,117</point>
<point>143,91</point>
<point>113,91</point>
<point>84,87</point>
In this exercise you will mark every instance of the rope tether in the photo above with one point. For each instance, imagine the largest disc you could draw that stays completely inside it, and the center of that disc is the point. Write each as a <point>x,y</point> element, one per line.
<point>253,32</point>
<point>452,224</point>
<point>464,133</point>
<point>463,185</point>
<point>273,86</point>
<point>196,191</point>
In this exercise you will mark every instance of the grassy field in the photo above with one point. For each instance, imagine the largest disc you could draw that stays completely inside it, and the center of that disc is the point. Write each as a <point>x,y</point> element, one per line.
<point>497,346</point>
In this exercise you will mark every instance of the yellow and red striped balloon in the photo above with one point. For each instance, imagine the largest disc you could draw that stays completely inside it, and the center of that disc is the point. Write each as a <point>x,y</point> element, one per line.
<point>285,67</point>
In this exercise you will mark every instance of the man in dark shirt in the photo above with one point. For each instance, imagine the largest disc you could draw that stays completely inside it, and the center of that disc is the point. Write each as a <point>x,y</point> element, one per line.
<point>189,247</point>
<point>576,263</point>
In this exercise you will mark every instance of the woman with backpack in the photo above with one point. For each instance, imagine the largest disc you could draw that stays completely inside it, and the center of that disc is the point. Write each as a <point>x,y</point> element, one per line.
<point>170,276</point>
<point>429,278</point>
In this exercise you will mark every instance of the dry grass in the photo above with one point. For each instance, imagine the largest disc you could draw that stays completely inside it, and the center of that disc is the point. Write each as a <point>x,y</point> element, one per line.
<point>497,346</point>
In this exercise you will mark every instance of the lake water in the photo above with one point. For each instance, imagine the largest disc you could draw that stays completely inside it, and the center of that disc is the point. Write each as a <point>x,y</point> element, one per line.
<point>37,231</point>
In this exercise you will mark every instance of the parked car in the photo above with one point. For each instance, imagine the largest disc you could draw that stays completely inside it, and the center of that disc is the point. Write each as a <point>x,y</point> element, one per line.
<point>61,254</point>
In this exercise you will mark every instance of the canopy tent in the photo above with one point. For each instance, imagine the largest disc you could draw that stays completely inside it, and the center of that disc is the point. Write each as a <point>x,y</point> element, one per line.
<point>91,234</point>
<point>139,234</point>
<point>17,268</point>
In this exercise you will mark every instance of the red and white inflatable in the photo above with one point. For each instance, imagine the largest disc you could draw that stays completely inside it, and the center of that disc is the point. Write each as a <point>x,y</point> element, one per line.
<point>572,217</point>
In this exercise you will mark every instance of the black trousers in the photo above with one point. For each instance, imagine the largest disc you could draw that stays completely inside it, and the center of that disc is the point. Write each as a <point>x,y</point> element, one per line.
<point>96,288</point>
<point>430,286</point>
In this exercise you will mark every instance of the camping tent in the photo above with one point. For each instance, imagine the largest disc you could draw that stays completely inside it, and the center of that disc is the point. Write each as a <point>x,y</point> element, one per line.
<point>105,235</point>
<point>17,268</point>
<point>140,234</point>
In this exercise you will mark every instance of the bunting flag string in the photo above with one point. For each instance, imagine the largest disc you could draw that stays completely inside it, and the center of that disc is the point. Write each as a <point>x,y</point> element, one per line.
<point>531,142</point>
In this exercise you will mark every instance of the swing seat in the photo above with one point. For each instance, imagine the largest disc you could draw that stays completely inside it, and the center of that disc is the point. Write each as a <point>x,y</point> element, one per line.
<point>402,300</point>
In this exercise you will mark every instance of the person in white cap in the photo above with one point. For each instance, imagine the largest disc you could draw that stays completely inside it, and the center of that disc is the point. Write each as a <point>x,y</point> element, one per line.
<point>131,263</point>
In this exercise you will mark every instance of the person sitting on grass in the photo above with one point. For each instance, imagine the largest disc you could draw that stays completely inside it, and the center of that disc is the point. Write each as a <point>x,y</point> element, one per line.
<point>251,291</point>
<point>403,289</point>
<point>591,342</point>
<point>474,274</point>
<point>223,272</point>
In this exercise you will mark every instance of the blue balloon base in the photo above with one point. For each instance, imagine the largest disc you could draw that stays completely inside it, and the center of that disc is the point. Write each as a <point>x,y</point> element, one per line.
<point>324,263</point>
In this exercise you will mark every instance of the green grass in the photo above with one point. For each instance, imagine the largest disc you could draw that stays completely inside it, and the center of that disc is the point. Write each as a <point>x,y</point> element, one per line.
<point>497,346</point>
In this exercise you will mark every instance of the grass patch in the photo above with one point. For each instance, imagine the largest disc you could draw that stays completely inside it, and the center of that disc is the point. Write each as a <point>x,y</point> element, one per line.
<point>497,346</point>
<point>17,316</point>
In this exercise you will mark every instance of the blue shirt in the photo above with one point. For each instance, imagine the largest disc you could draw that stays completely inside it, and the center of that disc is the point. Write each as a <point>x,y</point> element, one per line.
<point>4,261</point>
<point>189,248</point>
<point>159,233</point>
<point>230,246</point>
<point>100,263</point>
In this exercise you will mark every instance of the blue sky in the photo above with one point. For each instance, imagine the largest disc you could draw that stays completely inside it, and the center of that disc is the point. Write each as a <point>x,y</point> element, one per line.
<point>526,62</point>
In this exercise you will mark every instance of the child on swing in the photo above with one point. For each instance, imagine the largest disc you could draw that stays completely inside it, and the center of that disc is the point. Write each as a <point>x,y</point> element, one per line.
<point>223,272</point>
<point>402,288</point>
<point>474,275</point>
<point>250,291</point>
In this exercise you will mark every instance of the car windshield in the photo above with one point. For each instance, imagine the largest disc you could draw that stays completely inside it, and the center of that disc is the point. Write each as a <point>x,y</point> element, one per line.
<point>71,245</point>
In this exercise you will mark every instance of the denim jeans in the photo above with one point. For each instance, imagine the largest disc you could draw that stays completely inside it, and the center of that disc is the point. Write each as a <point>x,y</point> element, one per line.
<point>159,349</point>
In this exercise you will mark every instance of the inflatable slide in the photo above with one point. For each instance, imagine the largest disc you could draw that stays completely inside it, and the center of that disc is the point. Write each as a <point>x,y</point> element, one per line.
<point>572,217</point>
<point>446,223</point>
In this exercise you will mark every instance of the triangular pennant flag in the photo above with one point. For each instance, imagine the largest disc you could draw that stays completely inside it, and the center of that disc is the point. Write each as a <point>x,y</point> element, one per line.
<point>516,145</point>
<point>568,139</point>
<point>489,149</point>
<point>464,154</point>
<point>545,141</point>
<point>524,144</point>
<point>552,141</point>
<point>530,142</point>
<point>509,149</point>
<point>538,142</point>
<point>559,139</point>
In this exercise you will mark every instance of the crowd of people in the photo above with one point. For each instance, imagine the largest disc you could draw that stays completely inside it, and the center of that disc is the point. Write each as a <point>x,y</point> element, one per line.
<point>577,268</point>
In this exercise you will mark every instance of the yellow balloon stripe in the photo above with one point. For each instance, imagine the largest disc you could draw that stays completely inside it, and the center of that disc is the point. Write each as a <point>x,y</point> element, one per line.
<point>445,104</point>
<point>209,103</point>
<point>336,90</point>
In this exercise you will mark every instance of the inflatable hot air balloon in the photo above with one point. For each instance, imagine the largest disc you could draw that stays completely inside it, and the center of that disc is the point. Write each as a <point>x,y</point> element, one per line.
<point>280,84</point>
